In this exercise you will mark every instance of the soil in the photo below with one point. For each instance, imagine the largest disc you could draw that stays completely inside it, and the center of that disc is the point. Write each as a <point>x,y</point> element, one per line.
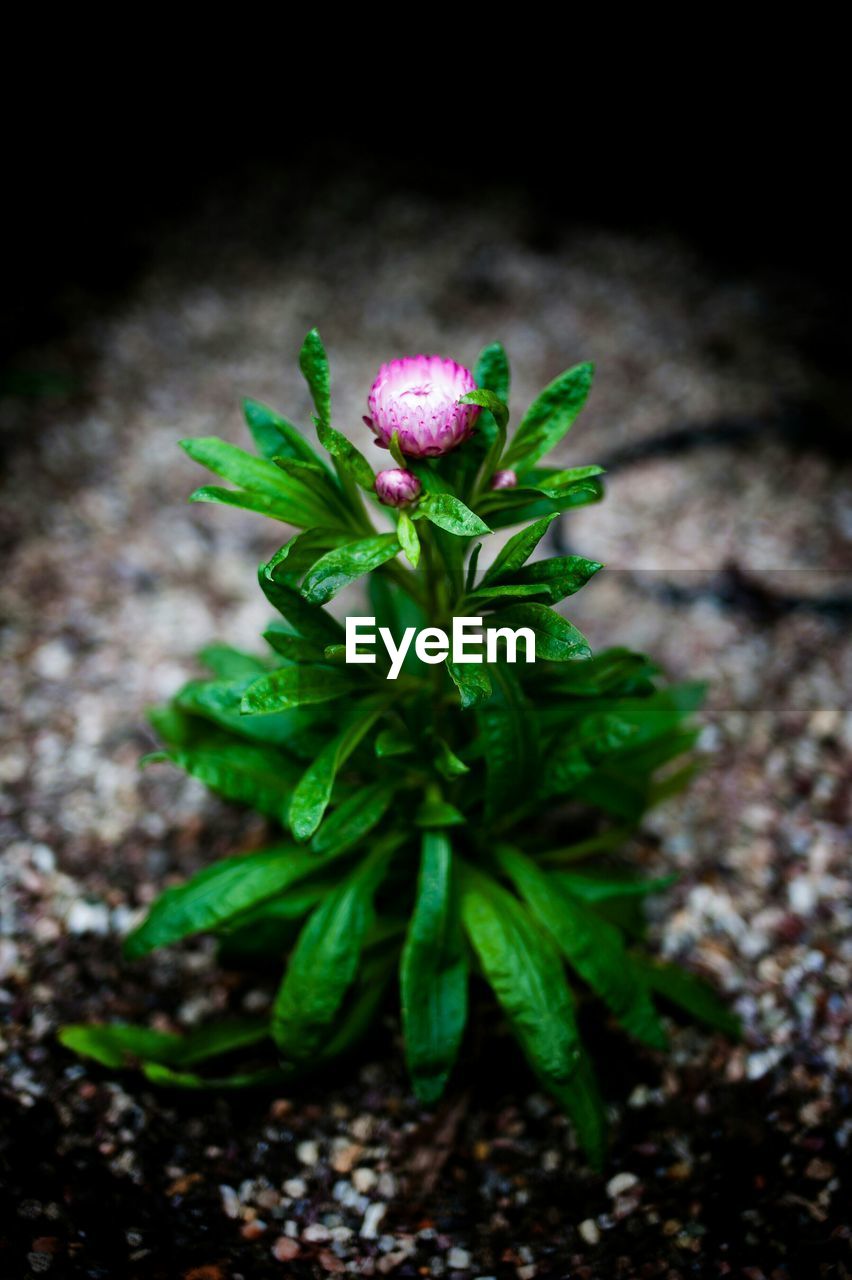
<point>729,558</point>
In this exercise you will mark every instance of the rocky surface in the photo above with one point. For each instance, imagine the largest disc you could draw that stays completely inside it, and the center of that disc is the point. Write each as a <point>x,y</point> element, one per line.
<point>727,1159</point>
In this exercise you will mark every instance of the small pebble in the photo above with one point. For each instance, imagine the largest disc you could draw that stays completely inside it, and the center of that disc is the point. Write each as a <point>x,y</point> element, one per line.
<point>590,1231</point>
<point>364,1180</point>
<point>344,1160</point>
<point>316,1233</point>
<point>372,1218</point>
<point>620,1183</point>
<point>253,1230</point>
<point>390,1261</point>
<point>230,1201</point>
<point>285,1249</point>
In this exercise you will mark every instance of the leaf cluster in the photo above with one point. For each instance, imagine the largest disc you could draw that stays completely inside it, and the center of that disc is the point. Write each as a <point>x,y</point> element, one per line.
<point>410,848</point>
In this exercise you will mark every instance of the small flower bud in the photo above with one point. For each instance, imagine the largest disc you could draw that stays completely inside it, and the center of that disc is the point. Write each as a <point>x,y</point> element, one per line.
<point>397,487</point>
<point>418,397</point>
<point>504,480</point>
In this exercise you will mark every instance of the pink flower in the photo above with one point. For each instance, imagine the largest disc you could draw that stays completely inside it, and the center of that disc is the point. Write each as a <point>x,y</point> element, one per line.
<point>418,397</point>
<point>504,480</point>
<point>397,487</point>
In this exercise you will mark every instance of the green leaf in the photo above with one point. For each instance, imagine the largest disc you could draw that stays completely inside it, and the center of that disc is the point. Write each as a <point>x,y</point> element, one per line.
<point>447,762</point>
<point>179,729</point>
<point>297,555</point>
<point>294,687</point>
<point>574,758</point>
<point>438,813</point>
<point>663,789</point>
<point>396,452</point>
<point>613,671</point>
<point>557,480</point>
<point>395,741</point>
<point>606,840</point>
<point>522,967</point>
<point>321,491</point>
<point>492,371</point>
<point>550,416</point>
<point>556,639</point>
<point>334,653</point>
<point>325,960</point>
<point>505,507</point>
<point>689,992</point>
<point>260,479</point>
<point>517,551</point>
<point>611,884</point>
<point>234,464</point>
<point>215,1040</point>
<point>498,408</point>
<point>473,562</point>
<point>119,1044</point>
<point>309,620</point>
<point>451,514</point>
<point>360,1006</point>
<point>274,436</point>
<point>346,457</point>
<point>654,716</point>
<point>219,701</point>
<point>269,930</point>
<point>291,646</point>
<point>648,755</point>
<point>433,974</point>
<point>491,374</point>
<point>337,568</point>
<point>252,775</point>
<point>592,946</point>
<point>617,792</point>
<point>406,532</point>
<point>260,503</point>
<point>353,819</point>
<point>231,664</point>
<point>582,1101</point>
<point>510,592</point>
<point>218,893</point>
<point>559,576</point>
<point>492,428</point>
<point>472,681</point>
<point>168,1078</point>
<point>313,363</point>
<point>509,746</point>
<point>313,791</point>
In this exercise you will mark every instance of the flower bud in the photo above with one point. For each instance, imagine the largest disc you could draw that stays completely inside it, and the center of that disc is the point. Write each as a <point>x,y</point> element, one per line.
<point>418,397</point>
<point>504,480</point>
<point>397,487</point>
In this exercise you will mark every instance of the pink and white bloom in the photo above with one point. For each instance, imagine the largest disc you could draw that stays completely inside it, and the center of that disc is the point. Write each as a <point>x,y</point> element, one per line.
<point>504,480</point>
<point>418,397</point>
<point>397,487</point>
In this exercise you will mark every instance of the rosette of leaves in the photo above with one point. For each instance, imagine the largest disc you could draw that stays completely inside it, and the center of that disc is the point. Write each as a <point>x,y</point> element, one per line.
<point>413,853</point>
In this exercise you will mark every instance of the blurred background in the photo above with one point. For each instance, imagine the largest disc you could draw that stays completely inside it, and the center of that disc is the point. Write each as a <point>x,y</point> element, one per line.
<point>154,278</point>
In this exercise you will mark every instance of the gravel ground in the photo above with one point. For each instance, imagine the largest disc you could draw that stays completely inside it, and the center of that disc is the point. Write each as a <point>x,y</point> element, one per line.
<point>726,1160</point>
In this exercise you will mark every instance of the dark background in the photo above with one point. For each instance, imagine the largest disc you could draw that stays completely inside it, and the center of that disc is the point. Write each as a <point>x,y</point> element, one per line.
<point>747,172</point>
